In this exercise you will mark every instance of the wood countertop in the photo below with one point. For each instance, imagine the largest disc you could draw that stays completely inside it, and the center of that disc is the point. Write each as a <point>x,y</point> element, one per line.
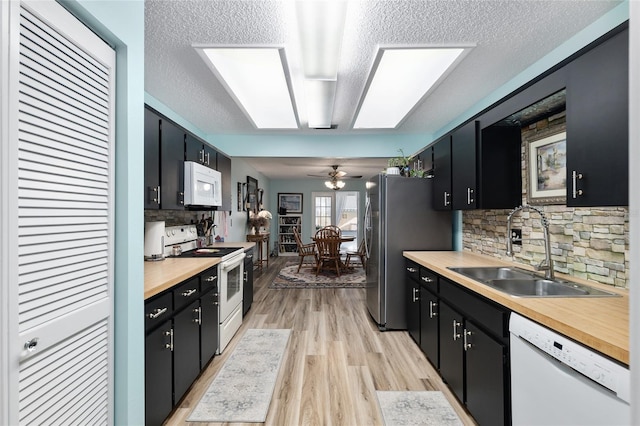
<point>162,275</point>
<point>601,323</point>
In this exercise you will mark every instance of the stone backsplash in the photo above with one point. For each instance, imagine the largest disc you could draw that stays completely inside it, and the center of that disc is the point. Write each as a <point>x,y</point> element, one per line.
<point>586,242</point>
<point>175,217</point>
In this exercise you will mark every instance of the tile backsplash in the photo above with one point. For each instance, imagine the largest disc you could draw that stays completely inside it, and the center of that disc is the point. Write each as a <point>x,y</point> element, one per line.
<point>586,242</point>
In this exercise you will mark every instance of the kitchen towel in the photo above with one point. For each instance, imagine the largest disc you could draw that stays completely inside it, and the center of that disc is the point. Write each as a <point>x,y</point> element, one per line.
<point>242,390</point>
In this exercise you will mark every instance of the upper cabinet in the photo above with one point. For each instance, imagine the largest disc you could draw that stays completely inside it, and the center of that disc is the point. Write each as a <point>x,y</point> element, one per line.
<point>463,160</point>
<point>166,147</point>
<point>151,163</point>
<point>200,152</point>
<point>163,163</point>
<point>442,174</point>
<point>598,125</point>
<point>476,168</point>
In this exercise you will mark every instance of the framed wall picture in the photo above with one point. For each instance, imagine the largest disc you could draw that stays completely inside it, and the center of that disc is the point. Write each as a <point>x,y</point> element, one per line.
<point>290,202</point>
<point>252,195</point>
<point>547,163</point>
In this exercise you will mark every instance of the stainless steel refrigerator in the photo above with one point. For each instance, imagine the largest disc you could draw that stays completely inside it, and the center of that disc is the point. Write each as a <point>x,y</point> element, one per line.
<point>398,217</point>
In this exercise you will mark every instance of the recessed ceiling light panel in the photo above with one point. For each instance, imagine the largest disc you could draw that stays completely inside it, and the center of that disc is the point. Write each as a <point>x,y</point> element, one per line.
<point>257,79</point>
<point>401,79</point>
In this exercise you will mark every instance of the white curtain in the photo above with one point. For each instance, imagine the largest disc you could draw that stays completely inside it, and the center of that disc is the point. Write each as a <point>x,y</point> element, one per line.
<point>341,202</point>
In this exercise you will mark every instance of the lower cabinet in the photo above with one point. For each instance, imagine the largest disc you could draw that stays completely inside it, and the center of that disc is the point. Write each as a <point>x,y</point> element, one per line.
<point>158,386</point>
<point>429,326</point>
<point>181,337</point>
<point>247,283</point>
<point>186,349</point>
<point>466,337</point>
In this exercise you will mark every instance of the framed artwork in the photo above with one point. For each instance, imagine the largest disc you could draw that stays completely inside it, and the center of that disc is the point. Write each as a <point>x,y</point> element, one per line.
<point>251,203</point>
<point>547,180</point>
<point>290,202</point>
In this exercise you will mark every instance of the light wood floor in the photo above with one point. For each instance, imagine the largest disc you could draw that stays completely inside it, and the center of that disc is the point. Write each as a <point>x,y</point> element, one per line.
<point>336,358</point>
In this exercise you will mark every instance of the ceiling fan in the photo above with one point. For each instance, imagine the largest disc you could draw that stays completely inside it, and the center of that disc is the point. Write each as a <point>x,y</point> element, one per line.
<point>337,174</point>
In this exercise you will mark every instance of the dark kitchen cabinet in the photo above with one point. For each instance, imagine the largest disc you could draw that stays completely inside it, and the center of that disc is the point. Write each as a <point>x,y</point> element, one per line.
<point>486,376</point>
<point>442,174</point>
<point>451,351</point>
<point>429,317</point>
<point>247,282</point>
<point>171,166</point>
<point>463,165</point>
<point>151,160</point>
<point>412,300</point>
<point>208,316</point>
<point>158,374</point>
<point>598,125</point>
<point>474,354</point>
<point>199,151</point>
<point>186,342</point>
<point>224,167</point>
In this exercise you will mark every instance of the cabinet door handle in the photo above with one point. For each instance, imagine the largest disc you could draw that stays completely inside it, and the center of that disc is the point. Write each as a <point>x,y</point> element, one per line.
<point>456,335</point>
<point>211,278</point>
<point>201,155</point>
<point>30,345</point>
<point>180,197</point>
<point>412,270</point>
<point>446,198</point>
<point>575,177</point>
<point>427,279</point>
<point>158,191</point>
<point>155,194</point>
<point>469,196</point>
<point>433,312</point>
<point>465,342</point>
<point>170,344</point>
<point>157,312</point>
<point>416,297</point>
<point>208,158</point>
<point>199,319</point>
<point>188,292</point>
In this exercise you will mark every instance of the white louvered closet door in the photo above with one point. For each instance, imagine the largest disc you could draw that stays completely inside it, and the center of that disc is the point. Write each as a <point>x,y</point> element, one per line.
<point>65,220</point>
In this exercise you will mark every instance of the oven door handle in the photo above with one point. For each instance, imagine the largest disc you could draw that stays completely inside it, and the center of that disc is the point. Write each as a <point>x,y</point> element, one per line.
<point>232,263</point>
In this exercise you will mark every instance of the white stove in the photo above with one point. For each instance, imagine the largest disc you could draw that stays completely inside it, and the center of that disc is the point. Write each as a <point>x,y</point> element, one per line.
<point>230,276</point>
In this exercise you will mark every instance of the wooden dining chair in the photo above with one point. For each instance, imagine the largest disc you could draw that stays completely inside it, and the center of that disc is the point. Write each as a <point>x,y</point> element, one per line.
<point>304,250</point>
<point>361,253</point>
<point>328,245</point>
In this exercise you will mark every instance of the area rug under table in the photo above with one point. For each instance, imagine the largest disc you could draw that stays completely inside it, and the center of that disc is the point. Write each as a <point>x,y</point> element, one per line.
<point>242,390</point>
<point>416,408</point>
<point>287,277</point>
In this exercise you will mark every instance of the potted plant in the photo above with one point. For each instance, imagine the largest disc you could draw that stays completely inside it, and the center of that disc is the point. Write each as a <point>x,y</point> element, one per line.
<point>401,163</point>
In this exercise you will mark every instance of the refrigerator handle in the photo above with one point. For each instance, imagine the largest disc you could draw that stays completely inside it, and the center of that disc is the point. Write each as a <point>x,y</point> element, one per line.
<point>367,227</point>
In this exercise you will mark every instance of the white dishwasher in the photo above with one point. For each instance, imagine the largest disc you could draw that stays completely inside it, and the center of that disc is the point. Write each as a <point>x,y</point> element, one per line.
<point>556,381</point>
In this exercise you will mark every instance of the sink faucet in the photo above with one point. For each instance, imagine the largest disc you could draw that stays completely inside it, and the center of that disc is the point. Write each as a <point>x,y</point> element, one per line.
<point>547,264</point>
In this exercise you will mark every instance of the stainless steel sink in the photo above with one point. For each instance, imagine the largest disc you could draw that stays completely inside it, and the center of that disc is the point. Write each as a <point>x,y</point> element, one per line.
<point>522,283</point>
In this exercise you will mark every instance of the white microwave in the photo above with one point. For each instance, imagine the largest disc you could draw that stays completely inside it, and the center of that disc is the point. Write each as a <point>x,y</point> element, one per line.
<point>202,185</point>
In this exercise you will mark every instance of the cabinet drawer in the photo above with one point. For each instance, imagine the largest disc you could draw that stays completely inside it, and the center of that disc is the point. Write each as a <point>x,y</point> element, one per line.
<point>491,316</point>
<point>186,293</point>
<point>412,270</point>
<point>209,280</point>
<point>429,280</point>
<point>157,311</point>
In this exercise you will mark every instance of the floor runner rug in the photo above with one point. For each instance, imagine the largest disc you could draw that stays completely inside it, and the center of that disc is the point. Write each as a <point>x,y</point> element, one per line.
<point>242,390</point>
<point>416,408</point>
<point>288,277</point>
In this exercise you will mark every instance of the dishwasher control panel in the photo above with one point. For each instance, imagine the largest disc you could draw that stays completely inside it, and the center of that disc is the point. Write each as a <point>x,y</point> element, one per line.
<point>584,360</point>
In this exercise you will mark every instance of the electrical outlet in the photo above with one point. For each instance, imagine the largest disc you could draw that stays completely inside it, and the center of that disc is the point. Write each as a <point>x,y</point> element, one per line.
<point>516,236</point>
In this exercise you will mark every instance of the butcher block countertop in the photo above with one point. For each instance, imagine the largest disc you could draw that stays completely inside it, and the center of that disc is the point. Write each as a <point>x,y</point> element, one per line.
<point>601,323</point>
<point>162,275</point>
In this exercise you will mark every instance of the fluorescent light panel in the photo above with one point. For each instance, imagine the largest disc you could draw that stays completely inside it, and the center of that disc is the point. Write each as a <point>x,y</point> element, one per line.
<point>256,79</point>
<point>321,26</point>
<point>320,96</point>
<point>402,78</point>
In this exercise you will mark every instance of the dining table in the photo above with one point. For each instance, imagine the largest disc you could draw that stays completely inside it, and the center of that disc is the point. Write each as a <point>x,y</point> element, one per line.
<point>341,239</point>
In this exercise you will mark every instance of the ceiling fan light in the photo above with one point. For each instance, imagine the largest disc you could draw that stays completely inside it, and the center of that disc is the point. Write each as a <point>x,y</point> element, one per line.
<point>334,184</point>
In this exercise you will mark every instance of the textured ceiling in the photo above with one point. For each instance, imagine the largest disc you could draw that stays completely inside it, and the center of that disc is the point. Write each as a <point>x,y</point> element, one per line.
<point>508,37</point>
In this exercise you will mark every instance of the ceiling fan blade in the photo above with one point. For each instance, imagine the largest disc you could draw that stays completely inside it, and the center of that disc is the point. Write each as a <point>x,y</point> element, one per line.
<point>338,173</point>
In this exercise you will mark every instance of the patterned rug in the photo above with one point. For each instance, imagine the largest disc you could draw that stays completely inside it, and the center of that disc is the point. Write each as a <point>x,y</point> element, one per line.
<point>242,390</point>
<point>352,277</point>
<point>416,408</point>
